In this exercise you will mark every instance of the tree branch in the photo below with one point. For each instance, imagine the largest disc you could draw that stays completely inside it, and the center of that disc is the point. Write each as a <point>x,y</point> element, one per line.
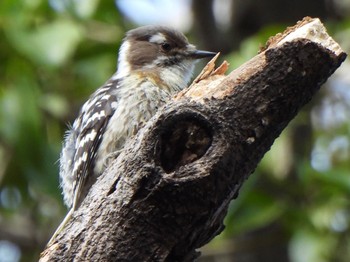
<point>168,191</point>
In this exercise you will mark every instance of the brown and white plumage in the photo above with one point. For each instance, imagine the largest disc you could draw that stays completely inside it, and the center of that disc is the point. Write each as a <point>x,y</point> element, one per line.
<point>154,63</point>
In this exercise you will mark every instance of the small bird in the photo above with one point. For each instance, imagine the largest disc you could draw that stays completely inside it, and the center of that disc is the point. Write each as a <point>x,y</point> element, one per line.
<point>154,63</point>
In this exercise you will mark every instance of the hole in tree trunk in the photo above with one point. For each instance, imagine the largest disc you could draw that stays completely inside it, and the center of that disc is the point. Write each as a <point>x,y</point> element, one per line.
<point>183,142</point>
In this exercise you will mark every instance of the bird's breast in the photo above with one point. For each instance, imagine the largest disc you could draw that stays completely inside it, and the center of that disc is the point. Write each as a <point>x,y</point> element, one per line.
<point>138,100</point>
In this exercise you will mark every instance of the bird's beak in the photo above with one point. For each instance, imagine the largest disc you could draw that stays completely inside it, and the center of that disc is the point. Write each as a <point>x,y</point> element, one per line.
<point>198,54</point>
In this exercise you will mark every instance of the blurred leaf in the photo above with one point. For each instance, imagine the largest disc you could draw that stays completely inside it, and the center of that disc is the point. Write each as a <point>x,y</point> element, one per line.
<point>308,246</point>
<point>50,44</point>
<point>251,210</point>
<point>82,9</point>
<point>54,104</point>
<point>106,64</point>
<point>85,9</point>
<point>337,178</point>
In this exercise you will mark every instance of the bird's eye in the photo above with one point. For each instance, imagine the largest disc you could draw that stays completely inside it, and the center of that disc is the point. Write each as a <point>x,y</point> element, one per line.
<point>166,46</point>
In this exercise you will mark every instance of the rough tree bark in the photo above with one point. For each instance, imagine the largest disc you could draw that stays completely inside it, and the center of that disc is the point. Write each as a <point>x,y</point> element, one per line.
<point>168,192</point>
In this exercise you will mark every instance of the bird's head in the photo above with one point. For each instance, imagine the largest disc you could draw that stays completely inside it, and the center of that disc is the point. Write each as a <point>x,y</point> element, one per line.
<point>160,51</point>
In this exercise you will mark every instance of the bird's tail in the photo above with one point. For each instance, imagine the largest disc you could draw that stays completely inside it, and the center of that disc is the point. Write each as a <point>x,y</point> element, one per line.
<point>61,226</point>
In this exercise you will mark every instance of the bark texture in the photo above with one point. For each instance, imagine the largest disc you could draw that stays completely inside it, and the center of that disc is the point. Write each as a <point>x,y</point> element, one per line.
<point>168,192</point>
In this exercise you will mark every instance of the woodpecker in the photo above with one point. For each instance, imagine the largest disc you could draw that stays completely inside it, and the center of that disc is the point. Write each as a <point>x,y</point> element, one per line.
<point>154,63</point>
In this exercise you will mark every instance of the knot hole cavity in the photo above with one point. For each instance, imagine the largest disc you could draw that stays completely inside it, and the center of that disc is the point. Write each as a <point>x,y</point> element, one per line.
<point>183,142</point>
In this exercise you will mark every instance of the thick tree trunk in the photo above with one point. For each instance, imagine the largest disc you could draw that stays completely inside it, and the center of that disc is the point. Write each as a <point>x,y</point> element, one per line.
<point>168,192</point>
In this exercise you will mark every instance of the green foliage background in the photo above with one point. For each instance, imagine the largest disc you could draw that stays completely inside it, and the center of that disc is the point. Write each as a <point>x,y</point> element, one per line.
<point>52,59</point>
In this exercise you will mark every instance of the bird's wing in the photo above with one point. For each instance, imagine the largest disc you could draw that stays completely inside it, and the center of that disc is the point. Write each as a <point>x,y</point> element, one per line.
<point>94,117</point>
